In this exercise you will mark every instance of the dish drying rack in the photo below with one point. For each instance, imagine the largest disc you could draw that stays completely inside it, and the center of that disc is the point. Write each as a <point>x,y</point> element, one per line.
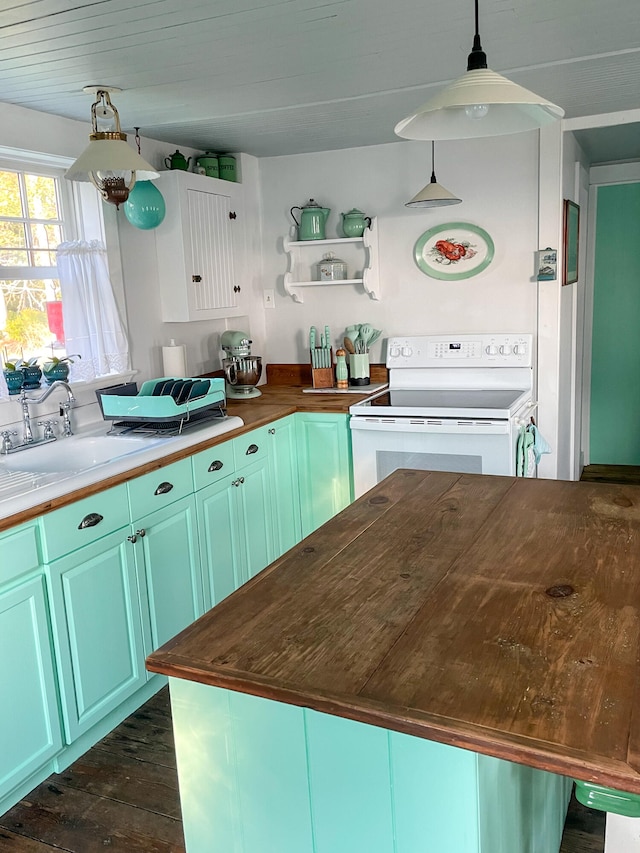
<point>158,408</point>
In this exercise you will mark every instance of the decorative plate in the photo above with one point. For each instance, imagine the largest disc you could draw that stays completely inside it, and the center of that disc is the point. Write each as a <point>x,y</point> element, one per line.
<point>454,251</point>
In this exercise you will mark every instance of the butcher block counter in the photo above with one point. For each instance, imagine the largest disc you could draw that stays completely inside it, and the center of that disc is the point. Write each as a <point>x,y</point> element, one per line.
<point>495,614</point>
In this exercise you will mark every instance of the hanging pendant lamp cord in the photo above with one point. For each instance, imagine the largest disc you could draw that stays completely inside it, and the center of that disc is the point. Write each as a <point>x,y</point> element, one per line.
<point>477,58</point>
<point>433,162</point>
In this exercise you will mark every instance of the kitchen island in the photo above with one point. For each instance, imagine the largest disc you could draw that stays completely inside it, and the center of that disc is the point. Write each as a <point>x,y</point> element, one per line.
<point>427,671</point>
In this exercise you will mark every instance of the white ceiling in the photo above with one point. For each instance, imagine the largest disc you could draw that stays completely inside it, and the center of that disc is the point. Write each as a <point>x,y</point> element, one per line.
<point>272,77</point>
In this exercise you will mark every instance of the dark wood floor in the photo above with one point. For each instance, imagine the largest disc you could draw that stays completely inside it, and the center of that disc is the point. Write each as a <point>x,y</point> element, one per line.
<point>122,796</point>
<point>625,474</point>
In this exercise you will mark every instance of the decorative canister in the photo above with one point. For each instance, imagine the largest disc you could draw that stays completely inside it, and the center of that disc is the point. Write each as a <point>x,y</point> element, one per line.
<point>227,166</point>
<point>331,268</point>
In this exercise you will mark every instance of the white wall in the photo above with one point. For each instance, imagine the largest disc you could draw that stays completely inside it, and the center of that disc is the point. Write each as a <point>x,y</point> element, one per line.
<point>498,182</point>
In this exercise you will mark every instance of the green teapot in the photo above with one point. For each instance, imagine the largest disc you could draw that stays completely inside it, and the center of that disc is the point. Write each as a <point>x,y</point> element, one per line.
<point>177,161</point>
<point>354,222</point>
<point>312,220</point>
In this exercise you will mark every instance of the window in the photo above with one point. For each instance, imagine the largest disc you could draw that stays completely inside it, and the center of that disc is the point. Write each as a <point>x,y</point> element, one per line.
<point>32,225</point>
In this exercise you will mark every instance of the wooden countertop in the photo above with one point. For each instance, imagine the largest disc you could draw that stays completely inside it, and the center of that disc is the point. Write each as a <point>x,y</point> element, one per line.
<point>491,613</point>
<point>277,401</point>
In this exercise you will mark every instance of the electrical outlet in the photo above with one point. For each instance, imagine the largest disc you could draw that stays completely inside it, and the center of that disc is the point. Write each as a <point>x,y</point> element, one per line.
<point>269,299</point>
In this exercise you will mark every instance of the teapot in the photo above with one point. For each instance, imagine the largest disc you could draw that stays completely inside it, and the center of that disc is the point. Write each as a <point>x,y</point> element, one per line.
<point>177,161</point>
<point>312,220</point>
<point>354,222</point>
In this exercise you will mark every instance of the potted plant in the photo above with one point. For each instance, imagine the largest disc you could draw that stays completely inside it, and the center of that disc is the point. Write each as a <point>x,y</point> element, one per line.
<point>56,369</point>
<point>13,376</point>
<point>31,372</point>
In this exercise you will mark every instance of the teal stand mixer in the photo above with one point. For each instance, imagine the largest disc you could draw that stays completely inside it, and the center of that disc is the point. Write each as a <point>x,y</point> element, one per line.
<point>241,369</point>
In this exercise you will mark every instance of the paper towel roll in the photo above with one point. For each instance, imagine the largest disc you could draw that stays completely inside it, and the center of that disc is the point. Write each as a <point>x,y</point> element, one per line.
<point>174,360</point>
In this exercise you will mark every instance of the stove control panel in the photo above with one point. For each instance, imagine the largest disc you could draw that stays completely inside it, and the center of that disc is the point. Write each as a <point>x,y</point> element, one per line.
<point>499,350</point>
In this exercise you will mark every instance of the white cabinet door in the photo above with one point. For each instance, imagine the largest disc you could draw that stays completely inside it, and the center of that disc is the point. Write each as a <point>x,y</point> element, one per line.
<point>198,247</point>
<point>211,251</point>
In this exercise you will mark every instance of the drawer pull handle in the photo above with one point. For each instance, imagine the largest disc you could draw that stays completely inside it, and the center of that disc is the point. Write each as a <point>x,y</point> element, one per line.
<point>163,488</point>
<point>253,448</point>
<point>215,466</point>
<point>90,520</point>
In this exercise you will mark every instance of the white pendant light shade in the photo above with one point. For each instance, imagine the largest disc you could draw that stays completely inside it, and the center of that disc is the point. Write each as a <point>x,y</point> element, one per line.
<point>481,103</point>
<point>433,195</point>
<point>110,155</point>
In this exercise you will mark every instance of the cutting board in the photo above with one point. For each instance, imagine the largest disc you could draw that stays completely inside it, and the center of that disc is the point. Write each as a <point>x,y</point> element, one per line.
<point>359,389</point>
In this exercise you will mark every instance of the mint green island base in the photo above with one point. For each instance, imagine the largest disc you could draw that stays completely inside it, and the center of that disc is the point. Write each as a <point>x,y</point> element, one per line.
<point>260,776</point>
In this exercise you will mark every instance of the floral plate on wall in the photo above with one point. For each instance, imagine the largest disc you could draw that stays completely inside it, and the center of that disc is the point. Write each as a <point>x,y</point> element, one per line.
<point>454,251</point>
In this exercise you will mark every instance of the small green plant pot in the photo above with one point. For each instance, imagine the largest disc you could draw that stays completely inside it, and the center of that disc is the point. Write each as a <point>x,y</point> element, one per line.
<point>56,373</point>
<point>14,380</point>
<point>32,377</point>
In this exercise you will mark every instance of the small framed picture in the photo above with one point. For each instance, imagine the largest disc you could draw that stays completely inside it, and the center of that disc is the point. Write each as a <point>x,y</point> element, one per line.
<point>571,242</point>
<point>548,264</point>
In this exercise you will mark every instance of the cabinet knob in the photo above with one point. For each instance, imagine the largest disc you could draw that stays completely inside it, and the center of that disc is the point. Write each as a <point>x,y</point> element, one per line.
<point>272,432</point>
<point>196,278</point>
<point>216,465</point>
<point>163,488</point>
<point>90,520</point>
<point>142,532</point>
<point>236,288</point>
<point>133,538</point>
<point>236,483</point>
<point>241,479</point>
<point>232,214</point>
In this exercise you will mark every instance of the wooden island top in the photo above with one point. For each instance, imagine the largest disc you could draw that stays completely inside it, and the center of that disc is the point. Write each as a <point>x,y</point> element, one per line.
<point>490,613</point>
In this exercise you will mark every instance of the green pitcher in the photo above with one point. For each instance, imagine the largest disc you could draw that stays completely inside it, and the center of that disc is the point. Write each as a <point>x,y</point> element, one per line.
<point>312,220</point>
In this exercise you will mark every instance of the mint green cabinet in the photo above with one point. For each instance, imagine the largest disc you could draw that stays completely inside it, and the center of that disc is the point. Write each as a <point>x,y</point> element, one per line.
<point>283,475</point>
<point>235,528</point>
<point>167,558</point>
<point>324,463</point>
<point>30,730</point>
<point>97,630</point>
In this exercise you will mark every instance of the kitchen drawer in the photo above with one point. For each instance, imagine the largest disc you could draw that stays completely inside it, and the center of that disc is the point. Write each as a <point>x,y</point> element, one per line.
<point>159,488</point>
<point>250,447</point>
<point>212,465</point>
<point>84,521</point>
<point>19,551</point>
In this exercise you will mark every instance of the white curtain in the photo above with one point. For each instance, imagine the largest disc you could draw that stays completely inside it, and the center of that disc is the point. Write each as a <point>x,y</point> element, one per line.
<point>92,325</point>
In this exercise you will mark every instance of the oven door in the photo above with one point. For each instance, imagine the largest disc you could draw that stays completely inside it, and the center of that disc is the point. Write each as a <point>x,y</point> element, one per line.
<point>381,445</point>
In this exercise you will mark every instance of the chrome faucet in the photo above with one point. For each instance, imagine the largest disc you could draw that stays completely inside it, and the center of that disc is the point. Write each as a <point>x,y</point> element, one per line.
<point>27,437</point>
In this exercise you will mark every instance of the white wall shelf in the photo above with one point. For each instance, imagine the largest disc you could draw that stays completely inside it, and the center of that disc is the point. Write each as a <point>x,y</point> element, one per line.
<point>359,253</point>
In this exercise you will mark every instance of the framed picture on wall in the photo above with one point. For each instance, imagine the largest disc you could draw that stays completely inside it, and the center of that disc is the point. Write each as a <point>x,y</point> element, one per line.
<point>571,242</point>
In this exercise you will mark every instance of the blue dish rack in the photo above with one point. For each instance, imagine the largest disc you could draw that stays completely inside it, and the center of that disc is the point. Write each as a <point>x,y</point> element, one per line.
<point>152,409</point>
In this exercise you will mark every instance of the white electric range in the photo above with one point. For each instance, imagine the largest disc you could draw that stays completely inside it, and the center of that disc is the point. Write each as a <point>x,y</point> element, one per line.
<point>454,403</point>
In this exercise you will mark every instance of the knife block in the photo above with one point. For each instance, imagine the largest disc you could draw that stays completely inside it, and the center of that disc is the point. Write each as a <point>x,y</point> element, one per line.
<point>323,377</point>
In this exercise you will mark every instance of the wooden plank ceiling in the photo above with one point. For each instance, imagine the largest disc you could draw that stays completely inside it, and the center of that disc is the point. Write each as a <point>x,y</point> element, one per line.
<point>274,77</point>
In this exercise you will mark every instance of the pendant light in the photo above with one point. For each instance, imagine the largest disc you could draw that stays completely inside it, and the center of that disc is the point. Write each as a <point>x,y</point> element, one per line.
<point>145,208</point>
<point>433,195</point>
<point>481,103</point>
<point>109,162</point>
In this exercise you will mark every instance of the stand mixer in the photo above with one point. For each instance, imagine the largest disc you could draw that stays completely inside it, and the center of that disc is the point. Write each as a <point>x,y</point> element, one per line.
<point>241,369</point>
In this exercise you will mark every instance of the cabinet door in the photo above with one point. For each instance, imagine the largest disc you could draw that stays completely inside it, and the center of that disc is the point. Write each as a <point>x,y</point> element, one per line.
<point>213,274</point>
<point>97,630</point>
<point>30,732</point>
<point>220,548</point>
<point>255,519</point>
<point>168,564</point>
<point>283,474</point>
<point>324,461</point>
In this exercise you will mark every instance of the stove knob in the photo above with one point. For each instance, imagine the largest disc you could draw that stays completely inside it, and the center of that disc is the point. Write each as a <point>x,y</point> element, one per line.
<point>406,351</point>
<point>394,352</point>
<point>505,349</point>
<point>492,349</point>
<point>519,349</point>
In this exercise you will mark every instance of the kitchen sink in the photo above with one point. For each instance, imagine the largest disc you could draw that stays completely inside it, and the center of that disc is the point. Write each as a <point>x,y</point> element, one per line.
<point>76,453</point>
